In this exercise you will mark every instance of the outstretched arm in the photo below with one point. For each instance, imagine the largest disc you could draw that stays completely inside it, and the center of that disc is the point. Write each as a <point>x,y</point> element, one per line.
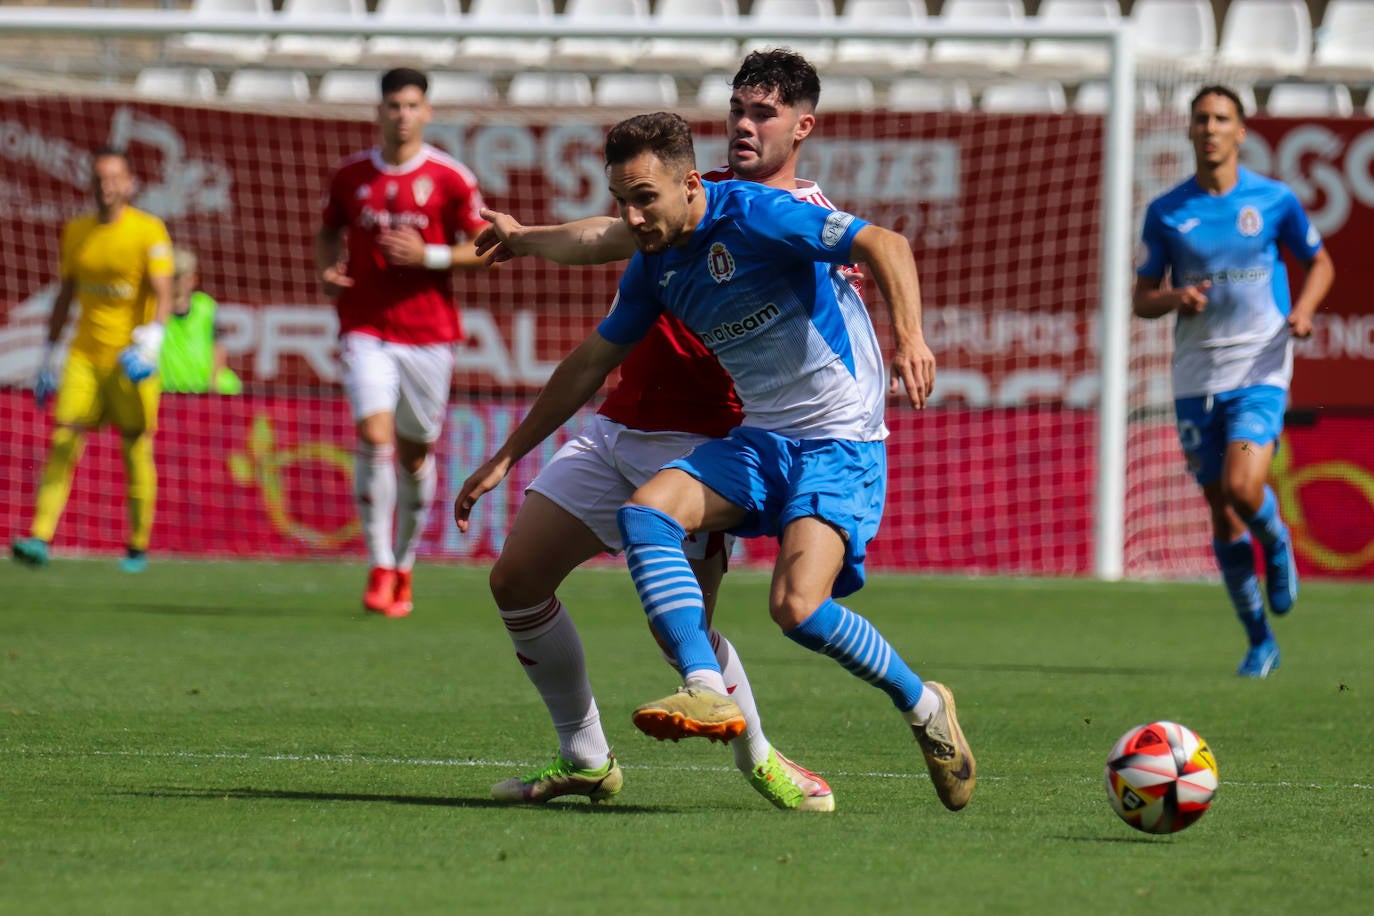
<point>889,257</point>
<point>578,377</point>
<point>594,240</point>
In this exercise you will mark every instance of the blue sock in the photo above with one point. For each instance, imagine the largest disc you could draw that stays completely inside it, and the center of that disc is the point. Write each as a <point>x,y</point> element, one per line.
<point>1237,562</point>
<point>838,632</point>
<point>667,587</point>
<point>1266,525</point>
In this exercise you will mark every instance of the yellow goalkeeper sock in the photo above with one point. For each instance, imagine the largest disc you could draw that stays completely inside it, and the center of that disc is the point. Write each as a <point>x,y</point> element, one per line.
<point>56,485</point>
<point>140,484</point>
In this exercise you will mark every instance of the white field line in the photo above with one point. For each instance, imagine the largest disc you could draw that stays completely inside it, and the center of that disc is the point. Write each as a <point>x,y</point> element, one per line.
<point>516,764</point>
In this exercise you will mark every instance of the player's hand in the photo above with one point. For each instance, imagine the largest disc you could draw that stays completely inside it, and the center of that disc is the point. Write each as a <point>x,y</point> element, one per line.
<point>483,480</point>
<point>139,358</point>
<point>334,279</point>
<point>498,241</point>
<point>44,386</point>
<point>853,274</point>
<point>914,366</point>
<point>1300,326</point>
<point>402,246</point>
<point>1193,299</point>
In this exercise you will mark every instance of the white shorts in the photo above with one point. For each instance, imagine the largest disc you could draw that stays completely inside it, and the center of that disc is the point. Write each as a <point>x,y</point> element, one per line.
<point>409,381</point>
<point>597,471</point>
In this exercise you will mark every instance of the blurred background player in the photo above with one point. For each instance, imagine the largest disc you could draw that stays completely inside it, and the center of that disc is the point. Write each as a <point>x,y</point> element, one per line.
<point>116,263</point>
<point>406,209</point>
<point>672,394</point>
<point>1216,237</point>
<point>193,360</point>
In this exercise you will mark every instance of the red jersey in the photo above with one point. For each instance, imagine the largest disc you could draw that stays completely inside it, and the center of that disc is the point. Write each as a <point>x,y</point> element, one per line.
<point>670,382</point>
<point>433,193</point>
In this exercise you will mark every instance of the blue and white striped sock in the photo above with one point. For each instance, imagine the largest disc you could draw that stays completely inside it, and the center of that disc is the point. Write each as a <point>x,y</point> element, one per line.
<point>1266,524</point>
<point>667,587</point>
<point>838,632</point>
<point>1237,562</point>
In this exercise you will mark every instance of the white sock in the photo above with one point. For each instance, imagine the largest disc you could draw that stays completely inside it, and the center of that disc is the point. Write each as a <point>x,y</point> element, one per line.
<point>713,681</point>
<point>751,748</point>
<point>414,496</point>
<point>550,651</point>
<point>927,706</point>
<point>374,489</point>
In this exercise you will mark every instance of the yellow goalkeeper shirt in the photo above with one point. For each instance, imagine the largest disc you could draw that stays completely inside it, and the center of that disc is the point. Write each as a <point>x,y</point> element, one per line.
<point>111,265</point>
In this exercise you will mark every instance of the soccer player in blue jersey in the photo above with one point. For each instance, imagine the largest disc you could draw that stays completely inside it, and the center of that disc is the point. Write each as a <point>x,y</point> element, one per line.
<point>755,273</point>
<point>1216,238</point>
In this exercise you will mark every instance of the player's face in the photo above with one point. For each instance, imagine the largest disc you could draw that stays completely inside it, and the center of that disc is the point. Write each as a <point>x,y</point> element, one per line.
<point>1216,130</point>
<point>765,134</point>
<point>111,182</point>
<point>403,115</point>
<point>655,201</point>
<point>183,285</point>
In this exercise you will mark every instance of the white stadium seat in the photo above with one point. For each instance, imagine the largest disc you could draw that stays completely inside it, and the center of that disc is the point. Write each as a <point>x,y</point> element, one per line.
<point>919,93</point>
<point>667,54</point>
<point>848,93</point>
<point>268,86</point>
<point>636,90</point>
<point>1025,96</point>
<point>767,12</point>
<point>506,54</point>
<point>1265,39</point>
<point>977,58</point>
<point>1092,97</point>
<point>176,83</point>
<point>600,53</point>
<point>1071,59</point>
<point>1309,100</point>
<point>401,50</point>
<point>714,90</point>
<point>203,47</point>
<point>540,88</point>
<point>1344,41</point>
<point>357,87</point>
<point>865,57</point>
<point>1179,33</point>
<point>319,50</point>
<point>448,87</point>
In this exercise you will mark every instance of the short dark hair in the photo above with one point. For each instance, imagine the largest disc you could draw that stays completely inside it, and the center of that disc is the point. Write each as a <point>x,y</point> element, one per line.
<point>1225,92</point>
<point>664,134</point>
<point>784,70</point>
<point>397,79</point>
<point>107,150</point>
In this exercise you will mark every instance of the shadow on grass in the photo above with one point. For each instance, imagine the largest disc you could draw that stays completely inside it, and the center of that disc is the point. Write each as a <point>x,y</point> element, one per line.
<point>1024,667</point>
<point>1106,839</point>
<point>248,793</point>
<point>206,610</point>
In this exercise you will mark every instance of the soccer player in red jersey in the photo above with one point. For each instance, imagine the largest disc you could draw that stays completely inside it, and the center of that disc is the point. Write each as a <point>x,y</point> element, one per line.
<point>672,395</point>
<point>397,220</point>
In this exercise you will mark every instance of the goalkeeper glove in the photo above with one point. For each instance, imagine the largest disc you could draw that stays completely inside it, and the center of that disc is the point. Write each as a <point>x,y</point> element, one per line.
<point>139,358</point>
<point>45,383</point>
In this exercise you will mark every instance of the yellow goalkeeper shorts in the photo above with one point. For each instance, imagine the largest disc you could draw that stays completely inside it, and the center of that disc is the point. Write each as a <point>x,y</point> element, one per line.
<point>91,396</point>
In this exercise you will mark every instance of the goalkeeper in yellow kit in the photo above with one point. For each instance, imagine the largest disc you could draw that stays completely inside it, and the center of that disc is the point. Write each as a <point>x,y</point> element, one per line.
<point>116,263</point>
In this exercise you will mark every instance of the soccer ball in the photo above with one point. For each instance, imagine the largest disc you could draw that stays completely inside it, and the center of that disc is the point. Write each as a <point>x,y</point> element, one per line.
<point>1161,777</point>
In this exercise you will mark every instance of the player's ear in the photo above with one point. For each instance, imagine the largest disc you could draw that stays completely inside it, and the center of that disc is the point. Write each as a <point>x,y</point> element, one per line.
<point>805,124</point>
<point>692,182</point>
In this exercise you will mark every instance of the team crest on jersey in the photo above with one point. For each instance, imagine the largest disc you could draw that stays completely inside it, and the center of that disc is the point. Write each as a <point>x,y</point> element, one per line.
<point>720,262</point>
<point>1249,222</point>
<point>421,190</point>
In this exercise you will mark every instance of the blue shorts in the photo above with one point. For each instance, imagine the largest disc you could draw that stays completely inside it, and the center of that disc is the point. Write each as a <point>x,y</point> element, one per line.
<point>1207,424</point>
<point>779,480</point>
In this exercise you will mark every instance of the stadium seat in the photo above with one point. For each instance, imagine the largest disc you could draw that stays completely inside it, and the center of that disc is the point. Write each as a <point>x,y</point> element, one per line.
<point>1092,98</point>
<point>1025,96</point>
<point>1181,100</point>
<point>1343,43</point>
<point>176,83</point>
<point>203,47</point>
<point>600,53</point>
<point>350,86</point>
<point>667,54</point>
<point>462,88</point>
<point>268,86</point>
<point>864,57</point>
<point>1179,33</point>
<point>319,50</point>
<point>542,88</point>
<point>1266,39</point>
<point>1070,59</point>
<point>977,58</point>
<point>847,93</point>
<point>506,54</point>
<point>714,90</point>
<point>918,93</point>
<point>767,12</point>
<point>400,50</point>
<point>1309,100</point>
<point>649,91</point>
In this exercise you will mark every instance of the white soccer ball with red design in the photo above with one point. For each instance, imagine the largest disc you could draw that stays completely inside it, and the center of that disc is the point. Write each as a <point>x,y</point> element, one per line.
<point>1161,777</point>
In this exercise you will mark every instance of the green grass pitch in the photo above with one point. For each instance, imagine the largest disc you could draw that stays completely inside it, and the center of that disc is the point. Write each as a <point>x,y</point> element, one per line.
<point>240,738</point>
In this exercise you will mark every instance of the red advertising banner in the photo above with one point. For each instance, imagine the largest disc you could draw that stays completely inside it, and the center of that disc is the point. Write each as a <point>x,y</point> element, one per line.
<point>272,477</point>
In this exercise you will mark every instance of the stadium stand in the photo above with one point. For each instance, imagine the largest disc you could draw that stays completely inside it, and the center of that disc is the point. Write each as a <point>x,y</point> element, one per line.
<point>765,12</point>
<point>506,54</point>
<point>1343,43</point>
<point>268,86</point>
<point>394,50</point>
<point>1024,96</point>
<point>865,58</point>
<point>1309,100</point>
<point>543,88</point>
<point>636,90</point>
<point>600,53</point>
<point>1177,33</point>
<point>918,93</point>
<point>714,90</point>
<point>349,86</point>
<point>1092,97</point>
<point>455,87</point>
<point>1266,39</point>
<point>176,83</point>
<point>1069,59</point>
<point>848,93</point>
<point>318,50</point>
<point>958,57</point>
<point>691,54</point>
<point>204,48</point>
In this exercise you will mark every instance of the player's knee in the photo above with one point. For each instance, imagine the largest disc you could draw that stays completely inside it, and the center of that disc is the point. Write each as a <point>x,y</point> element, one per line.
<point>513,586</point>
<point>788,610</point>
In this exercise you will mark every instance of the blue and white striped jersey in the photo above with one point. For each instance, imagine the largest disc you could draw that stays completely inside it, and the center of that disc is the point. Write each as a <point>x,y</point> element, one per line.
<point>1241,338</point>
<point>758,283</point>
